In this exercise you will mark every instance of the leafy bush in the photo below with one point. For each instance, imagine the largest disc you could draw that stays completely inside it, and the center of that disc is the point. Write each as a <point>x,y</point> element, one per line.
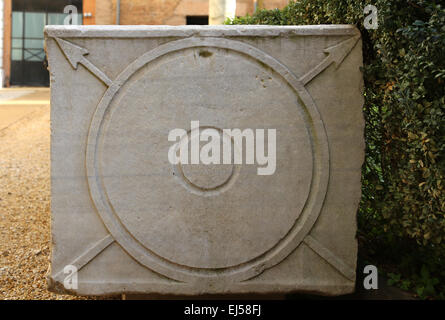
<point>402,212</point>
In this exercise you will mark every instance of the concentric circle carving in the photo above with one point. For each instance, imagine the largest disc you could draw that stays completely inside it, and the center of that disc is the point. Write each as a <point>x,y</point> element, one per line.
<point>182,271</point>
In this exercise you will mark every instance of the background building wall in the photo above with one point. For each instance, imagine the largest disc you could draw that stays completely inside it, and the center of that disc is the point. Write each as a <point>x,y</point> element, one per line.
<point>104,12</point>
<point>272,4</point>
<point>6,43</point>
<point>1,43</point>
<point>170,12</point>
<point>89,12</point>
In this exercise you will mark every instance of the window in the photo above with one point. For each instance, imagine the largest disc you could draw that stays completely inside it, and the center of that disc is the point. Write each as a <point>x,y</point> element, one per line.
<point>197,20</point>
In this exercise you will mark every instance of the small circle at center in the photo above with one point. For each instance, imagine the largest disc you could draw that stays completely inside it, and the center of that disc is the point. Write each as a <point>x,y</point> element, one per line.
<point>207,176</point>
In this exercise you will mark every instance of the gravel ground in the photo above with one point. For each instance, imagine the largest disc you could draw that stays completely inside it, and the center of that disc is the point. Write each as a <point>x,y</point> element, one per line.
<point>25,208</point>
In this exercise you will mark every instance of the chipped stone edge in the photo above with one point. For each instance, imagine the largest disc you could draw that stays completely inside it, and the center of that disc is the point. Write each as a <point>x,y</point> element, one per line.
<point>113,31</point>
<point>147,289</point>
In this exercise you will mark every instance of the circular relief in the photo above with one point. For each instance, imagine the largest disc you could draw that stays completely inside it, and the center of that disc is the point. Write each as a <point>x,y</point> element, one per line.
<point>206,221</point>
<point>202,178</point>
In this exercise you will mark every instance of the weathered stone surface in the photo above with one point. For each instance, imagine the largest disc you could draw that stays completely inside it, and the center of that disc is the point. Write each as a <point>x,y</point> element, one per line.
<point>132,222</point>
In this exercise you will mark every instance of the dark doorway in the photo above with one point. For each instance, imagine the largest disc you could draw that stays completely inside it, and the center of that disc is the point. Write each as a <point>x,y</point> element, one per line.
<point>28,59</point>
<point>197,20</point>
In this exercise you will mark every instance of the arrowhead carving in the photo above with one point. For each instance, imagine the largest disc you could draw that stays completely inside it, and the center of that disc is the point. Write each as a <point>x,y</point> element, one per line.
<point>340,51</point>
<point>73,53</point>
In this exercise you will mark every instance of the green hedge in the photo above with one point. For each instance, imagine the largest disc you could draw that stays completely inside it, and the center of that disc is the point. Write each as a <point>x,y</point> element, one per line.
<point>403,209</point>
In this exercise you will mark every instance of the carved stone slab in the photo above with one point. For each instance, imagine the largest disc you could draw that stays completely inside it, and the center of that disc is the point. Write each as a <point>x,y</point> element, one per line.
<point>130,220</point>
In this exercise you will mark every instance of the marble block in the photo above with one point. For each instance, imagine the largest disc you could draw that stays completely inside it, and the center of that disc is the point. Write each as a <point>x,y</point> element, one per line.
<point>128,219</point>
